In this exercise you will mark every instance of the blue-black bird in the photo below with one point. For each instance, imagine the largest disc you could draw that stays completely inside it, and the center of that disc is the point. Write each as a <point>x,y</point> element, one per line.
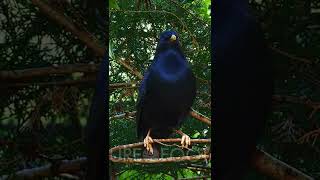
<point>166,94</point>
<point>96,130</point>
<point>243,87</point>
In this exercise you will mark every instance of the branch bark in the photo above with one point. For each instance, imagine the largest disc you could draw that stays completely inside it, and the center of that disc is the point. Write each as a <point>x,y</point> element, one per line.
<point>65,166</point>
<point>158,160</point>
<point>274,168</point>
<point>46,71</point>
<point>290,56</point>
<point>200,117</point>
<point>67,24</point>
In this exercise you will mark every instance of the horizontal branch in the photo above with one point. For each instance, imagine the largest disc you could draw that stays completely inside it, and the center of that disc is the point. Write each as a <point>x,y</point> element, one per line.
<point>262,162</point>
<point>158,160</point>
<point>123,85</point>
<point>172,140</point>
<point>298,100</point>
<point>89,81</point>
<point>46,71</point>
<point>123,115</point>
<point>65,166</point>
<point>86,81</point>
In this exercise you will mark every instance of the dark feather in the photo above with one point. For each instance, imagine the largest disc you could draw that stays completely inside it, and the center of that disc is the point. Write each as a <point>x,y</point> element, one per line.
<point>167,90</point>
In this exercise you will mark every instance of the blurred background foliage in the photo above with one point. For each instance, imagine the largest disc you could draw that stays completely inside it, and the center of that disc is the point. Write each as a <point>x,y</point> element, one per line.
<point>292,29</point>
<point>133,32</point>
<point>43,117</point>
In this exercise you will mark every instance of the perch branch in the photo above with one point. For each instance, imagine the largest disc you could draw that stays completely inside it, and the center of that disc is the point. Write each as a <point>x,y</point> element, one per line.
<point>159,160</point>
<point>117,148</point>
<point>64,21</point>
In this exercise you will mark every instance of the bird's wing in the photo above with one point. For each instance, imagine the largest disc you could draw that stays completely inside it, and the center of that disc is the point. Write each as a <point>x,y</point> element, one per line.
<point>141,97</point>
<point>189,103</point>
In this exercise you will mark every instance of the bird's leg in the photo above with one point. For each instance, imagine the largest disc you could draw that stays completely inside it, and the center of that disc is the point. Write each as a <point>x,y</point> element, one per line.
<point>147,142</point>
<point>185,139</point>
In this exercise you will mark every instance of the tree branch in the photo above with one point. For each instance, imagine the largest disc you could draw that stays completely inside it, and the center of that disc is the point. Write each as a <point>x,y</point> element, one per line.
<point>290,56</point>
<point>200,117</point>
<point>268,165</point>
<point>158,160</point>
<point>65,166</point>
<point>46,71</point>
<point>64,21</point>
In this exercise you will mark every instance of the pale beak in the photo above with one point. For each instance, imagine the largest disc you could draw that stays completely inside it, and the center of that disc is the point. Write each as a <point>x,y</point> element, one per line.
<point>173,38</point>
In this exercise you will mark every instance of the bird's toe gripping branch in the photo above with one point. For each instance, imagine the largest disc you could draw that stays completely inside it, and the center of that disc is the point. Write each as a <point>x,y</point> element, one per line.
<point>147,142</point>
<point>185,139</point>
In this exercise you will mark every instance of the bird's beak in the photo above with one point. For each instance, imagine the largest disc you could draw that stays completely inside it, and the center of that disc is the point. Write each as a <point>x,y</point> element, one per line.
<point>173,38</point>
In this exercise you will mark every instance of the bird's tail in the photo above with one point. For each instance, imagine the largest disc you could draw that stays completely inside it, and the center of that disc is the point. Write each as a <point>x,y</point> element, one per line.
<point>156,152</point>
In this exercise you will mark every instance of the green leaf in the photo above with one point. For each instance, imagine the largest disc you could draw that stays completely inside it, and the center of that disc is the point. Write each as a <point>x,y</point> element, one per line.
<point>113,4</point>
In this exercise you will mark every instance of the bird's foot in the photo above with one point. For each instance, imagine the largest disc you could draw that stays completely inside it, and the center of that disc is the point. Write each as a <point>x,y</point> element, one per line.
<point>147,143</point>
<point>185,141</point>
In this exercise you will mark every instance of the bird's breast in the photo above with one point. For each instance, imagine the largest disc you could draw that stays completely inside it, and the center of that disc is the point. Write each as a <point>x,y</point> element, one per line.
<point>170,66</point>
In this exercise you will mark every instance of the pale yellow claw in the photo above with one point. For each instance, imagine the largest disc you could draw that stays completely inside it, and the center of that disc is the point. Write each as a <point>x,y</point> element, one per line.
<point>185,141</point>
<point>147,143</point>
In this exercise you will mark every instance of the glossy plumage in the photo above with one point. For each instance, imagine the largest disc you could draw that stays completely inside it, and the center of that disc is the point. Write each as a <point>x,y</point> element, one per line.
<point>167,90</point>
<point>243,87</point>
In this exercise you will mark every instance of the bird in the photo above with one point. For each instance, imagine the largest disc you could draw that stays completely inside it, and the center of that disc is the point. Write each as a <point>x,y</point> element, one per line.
<point>165,96</point>
<point>96,129</point>
<point>243,87</point>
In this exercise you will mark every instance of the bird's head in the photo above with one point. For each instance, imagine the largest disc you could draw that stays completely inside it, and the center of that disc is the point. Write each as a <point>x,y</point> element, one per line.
<point>168,39</point>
